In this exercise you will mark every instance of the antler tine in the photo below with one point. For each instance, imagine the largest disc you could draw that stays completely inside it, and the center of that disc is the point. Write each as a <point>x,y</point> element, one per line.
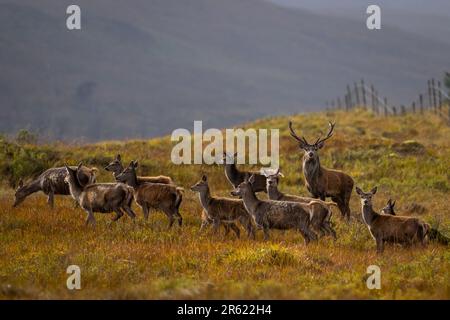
<point>295,136</point>
<point>329,134</point>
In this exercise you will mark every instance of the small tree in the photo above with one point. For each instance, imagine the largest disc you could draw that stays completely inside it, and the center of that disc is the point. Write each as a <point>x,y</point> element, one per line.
<point>26,137</point>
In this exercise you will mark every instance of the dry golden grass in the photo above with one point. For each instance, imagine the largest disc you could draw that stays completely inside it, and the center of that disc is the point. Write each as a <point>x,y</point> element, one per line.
<point>123,260</point>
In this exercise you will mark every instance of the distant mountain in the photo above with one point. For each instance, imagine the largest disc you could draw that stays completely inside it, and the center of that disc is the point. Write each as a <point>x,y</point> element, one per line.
<point>143,68</point>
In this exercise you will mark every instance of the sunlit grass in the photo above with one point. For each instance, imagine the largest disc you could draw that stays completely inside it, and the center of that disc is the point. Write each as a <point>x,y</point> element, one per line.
<point>126,260</point>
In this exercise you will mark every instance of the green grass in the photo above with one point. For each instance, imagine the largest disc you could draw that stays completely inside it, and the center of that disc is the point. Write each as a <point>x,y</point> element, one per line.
<point>125,260</point>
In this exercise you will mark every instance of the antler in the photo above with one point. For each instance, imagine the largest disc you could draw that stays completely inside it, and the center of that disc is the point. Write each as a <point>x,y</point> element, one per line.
<point>329,134</point>
<point>295,136</point>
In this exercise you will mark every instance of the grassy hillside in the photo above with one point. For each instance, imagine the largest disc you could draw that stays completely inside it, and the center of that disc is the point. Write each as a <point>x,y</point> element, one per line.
<point>407,157</point>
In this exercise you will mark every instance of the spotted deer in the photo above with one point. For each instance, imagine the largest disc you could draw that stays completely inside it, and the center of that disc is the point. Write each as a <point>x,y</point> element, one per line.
<point>224,211</point>
<point>116,168</point>
<point>270,214</point>
<point>100,197</point>
<point>389,228</point>
<point>53,182</point>
<point>321,211</point>
<point>320,181</point>
<point>149,195</point>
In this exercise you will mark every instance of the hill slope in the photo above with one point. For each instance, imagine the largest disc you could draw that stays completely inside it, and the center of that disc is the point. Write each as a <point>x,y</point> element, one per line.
<point>143,260</point>
<point>161,64</point>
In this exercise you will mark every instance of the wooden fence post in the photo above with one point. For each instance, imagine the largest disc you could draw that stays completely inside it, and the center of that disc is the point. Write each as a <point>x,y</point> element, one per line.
<point>394,110</point>
<point>402,110</point>
<point>357,94</point>
<point>339,103</point>
<point>421,103</point>
<point>385,111</point>
<point>434,95</point>
<point>413,106</point>
<point>430,95</point>
<point>439,96</point>
<point>372,95</point>
<point>349,93</point>
<point>363,89</point>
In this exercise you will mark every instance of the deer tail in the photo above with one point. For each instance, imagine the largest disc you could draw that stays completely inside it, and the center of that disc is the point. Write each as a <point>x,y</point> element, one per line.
<point>179,197</point>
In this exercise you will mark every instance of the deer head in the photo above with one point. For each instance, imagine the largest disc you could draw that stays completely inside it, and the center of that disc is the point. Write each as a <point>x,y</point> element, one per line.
<point>389,208</point>
<point>244,187</point>
<point>366,197</point>
<point>129,173</point>
<point>201,185</point>
<point>272,176</point>
<point>311,150</point>
<point>115,166</point>
<point>20,194</point>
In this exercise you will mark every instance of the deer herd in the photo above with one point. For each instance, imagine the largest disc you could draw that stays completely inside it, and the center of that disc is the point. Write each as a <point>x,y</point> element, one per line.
<point>310,216</point>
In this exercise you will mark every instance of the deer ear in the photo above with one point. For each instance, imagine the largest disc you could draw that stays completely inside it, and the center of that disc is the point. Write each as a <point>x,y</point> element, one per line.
<point>320,145</point>
<point>118,157</point>
<point>204,178</point>
<point>393,203</point>
<point>374,190</point>
<point>389,202</point>
<point>358,191</point>
<point>135,164</point>
<point>251,179</point>
<point>20,183</point>
<point>80,165</point>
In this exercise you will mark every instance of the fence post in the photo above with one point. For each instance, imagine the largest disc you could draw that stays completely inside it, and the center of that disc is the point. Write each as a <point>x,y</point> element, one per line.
<point>363,92</point>
<point>357,94</point>
<point>385,111</point>
<point>402,110</point>
<point>349,93</point>
<point>421,103</point>
<point>413,107</point>
<point>434,95</point>
<point>430,102</point>
<point>394,110</point>
<point>439,96</point>
<point>339,103</point>
<point>372,95</point>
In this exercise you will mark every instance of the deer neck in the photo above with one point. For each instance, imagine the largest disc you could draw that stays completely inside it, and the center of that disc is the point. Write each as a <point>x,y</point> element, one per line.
<point>32,187</point>
<point>251,202</point>
<point>311,169</point>
<point>274,193</point>
<point>232,172</point>
<point>117,172</point>
<point>205,198</point>
<point>368,214</point>
<point>75,189</point>
<point>133,181</point>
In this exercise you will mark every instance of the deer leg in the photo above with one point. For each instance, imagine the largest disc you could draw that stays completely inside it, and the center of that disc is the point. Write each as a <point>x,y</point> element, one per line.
<point>236,230</point>
<point>330,230</point>
<point>266,232</point>
<point>145,209</point>
<point>119,214</point>
<point>90,217</point>
<point>50,199</point>
<point>179,217</point>
<point>226,226</point>
<point>250,230</point>
<point>203,225</point>
<point>216,226</point>
<point>129,211</point>
<point>380,245</point>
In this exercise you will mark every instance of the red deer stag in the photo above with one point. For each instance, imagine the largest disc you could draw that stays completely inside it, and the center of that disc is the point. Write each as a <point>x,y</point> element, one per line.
<point>320,181</point>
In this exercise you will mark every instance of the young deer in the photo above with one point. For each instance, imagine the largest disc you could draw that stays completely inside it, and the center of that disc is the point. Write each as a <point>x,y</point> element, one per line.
<point>388,228</point>
<point>100,197</point>
<point>320,181</point>
<point>116,168</point>
<point>148,195</point>
<point>321,211</point>
<point>52,182</point>
<point>270,214</point>
<point>223,210</point>
<point>434,234</point>
<point>235,177</point>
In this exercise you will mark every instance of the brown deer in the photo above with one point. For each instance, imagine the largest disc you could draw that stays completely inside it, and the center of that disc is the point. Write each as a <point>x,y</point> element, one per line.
<point>434,234</point>
<point>320,181</point>
<point>52,182</point>
<point>235,176</point>
<point>116,168</point>
<point>270,214</point>
<point>100,197</point>
<point>321,211</point>
<point>388,228</point>
<point>149,195</point>
<point>224,210</point>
